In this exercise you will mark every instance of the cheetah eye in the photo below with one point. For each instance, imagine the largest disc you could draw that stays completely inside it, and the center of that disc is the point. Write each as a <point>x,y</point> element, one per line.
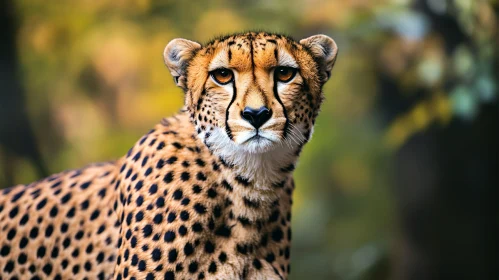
<point>222,76</point>
<point>284,74</point>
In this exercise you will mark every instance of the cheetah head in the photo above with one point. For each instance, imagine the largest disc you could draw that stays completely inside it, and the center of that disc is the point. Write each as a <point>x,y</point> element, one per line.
<point>252,92</point>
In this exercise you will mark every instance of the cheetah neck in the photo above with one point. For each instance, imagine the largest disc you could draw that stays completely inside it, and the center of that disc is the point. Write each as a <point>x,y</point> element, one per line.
<point>261,170</point>
<point>257,178</point>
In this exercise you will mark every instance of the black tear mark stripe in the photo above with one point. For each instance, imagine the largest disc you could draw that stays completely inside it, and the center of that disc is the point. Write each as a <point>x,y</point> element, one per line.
<point>227,128</point>
<point>276,95</point>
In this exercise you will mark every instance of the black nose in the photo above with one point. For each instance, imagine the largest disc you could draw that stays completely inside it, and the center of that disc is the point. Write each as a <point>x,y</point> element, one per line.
<point>256,117</point>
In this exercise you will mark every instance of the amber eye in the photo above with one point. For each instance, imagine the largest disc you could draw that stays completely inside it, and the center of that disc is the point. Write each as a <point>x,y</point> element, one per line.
<point>222,76</point>
<point>285,74</point>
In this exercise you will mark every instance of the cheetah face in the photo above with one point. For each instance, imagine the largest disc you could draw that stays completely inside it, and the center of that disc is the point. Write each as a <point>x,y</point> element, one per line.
<point>253,92</point>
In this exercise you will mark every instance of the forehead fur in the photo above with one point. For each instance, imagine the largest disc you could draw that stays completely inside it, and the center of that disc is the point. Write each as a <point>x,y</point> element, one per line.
<point>245,52</point>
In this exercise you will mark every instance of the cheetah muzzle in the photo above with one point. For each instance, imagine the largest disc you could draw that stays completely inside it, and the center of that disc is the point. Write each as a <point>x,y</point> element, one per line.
<point>206,194</point>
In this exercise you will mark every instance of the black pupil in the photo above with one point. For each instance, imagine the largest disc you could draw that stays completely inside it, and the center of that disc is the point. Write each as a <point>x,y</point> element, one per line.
<point>224,73</point>
<point>284,71</point>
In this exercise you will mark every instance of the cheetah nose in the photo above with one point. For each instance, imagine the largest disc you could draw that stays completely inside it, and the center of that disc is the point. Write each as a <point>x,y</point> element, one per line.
<point>256,117</point>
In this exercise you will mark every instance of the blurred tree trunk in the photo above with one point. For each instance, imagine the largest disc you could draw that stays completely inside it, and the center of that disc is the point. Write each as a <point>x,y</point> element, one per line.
<point>16,134</point>
<point>447,185</point>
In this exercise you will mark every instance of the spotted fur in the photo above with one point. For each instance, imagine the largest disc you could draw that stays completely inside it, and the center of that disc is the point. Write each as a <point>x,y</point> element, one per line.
<point>203,195</point>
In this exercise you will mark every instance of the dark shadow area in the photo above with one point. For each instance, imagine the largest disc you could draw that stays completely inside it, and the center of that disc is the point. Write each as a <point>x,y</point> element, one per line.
<point>16,134</point>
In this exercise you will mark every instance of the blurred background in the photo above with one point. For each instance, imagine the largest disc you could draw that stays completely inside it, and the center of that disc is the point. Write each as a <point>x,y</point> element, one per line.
<point>400,179</point>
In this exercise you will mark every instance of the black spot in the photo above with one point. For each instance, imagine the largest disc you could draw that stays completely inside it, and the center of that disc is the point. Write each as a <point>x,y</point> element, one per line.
<point>158,218</point>
<point>197,227</point>
<point>251,203</point>
<point>41,204</point>
<point>257,264</point>
<point>13,212</point>
<point>55,252</point>
<point>22,259</point>
<point>139,216</point>
<point>17,196</point>
<point>286,253</point>
<point>33,233</point>
<point>171,160</point>
<point>222,257</point>
<point>171,217</point>
<point>169,236</point>
<point>243,181</point>
<point>153,189</point>
<point>139,185</point>
<point>182,230</point>
<point>200,176</point>
<point>156,254</point>
<point>94,215</point>
<point>177,195</point>
<point>185,201</point>
<point>200,208</point>
<point>193,267</point>
<point>172,255</point>
<point>168,177</point>
<point>88,266</point>
<point>85,185</point>
<point>212,268</point>
<point>212,193</point>
<point>100,257</point>
<point>242,248</point>
<point>169,275</point>
<point>79,235</point>
<point>160,202</point>
<point>188,249</point>
<point>223,231</point>
<point>76,269</point>
<point>274,216</point>
<point>11,234</point>
<point>200,162</point>
<point>160,146</point>
<point>71,212</point>
<point>270,257</point>
<point>277,235</point>
<point>177,145</point>
<point>160,164</point>
<point>196,189</point>
<point>209,247</point>
<point>184,215</point>
<point>9,267</point>
<point>85,204</point>
<point>24,219</point>
<point>147,230</point>
<point>227,186</point>
<point>217,211</point>
<point>142,265</point>
<point>5,250</point>
<point>185,176</point>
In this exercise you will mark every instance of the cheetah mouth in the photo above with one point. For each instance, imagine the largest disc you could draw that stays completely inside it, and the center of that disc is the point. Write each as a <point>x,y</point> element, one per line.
<point>257,137</point>
<point>260,141</point>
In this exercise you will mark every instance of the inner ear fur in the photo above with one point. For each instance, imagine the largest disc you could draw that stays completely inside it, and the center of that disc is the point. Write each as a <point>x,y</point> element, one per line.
<point>324,49</point>
<point>177,55</point>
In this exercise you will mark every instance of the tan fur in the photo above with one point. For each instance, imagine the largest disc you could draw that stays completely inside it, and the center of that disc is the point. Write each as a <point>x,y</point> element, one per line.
<point>187,201</point>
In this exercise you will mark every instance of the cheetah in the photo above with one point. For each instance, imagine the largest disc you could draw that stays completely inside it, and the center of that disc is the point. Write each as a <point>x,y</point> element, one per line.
<point>206,194</point>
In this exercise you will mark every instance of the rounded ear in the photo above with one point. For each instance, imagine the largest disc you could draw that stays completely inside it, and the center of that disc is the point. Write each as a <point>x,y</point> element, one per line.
<point>177,55</point>
<point>324,49</point>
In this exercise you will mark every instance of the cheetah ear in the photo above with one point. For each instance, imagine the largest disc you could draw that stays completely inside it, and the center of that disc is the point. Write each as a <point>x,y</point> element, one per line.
<point>177,55</point>
<point>325,50</point>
